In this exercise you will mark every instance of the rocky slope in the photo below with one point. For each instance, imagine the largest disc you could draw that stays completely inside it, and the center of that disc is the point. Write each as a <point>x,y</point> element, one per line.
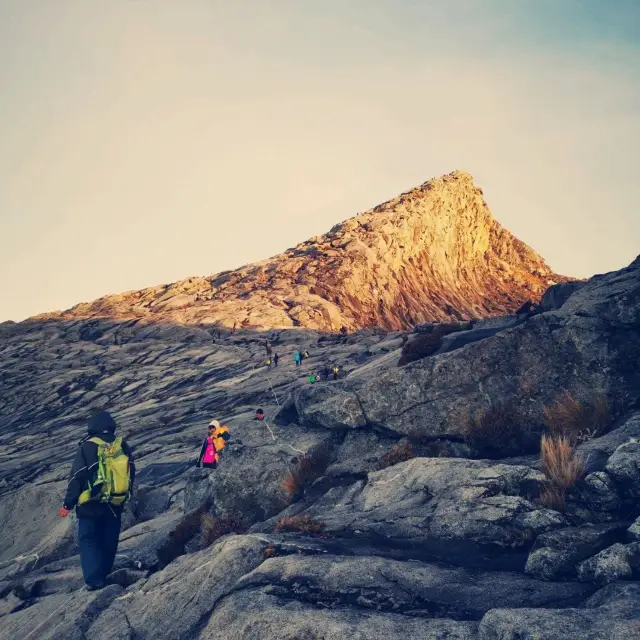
<point>435,541</point>
<point>433,253</point>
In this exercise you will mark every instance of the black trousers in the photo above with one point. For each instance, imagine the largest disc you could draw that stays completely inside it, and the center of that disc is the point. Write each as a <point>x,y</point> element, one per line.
<point>98,539</point>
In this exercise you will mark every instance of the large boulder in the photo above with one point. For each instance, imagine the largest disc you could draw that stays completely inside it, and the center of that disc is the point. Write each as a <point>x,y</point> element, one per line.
<point>247,484</point>
<point>556,553</point>
<point>595,452</point>
<point>463,511</point>
<point>174,602</point>
<point>618,562</point>
<point>624,467</point>
<point>611,614</point>
<point>389,585</point>
<point>591,345</point>
<point>328,407</point>
<point>32,531</point>
<point>268,616</point>
<point>59,617</point>
<point>556,295</point>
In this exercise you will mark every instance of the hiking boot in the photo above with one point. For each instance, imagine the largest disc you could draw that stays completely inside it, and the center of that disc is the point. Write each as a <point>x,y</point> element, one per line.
<point>96,586</point>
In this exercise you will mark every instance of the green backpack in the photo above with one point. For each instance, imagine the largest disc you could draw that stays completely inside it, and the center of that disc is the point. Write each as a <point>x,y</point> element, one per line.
<point>113,478</point>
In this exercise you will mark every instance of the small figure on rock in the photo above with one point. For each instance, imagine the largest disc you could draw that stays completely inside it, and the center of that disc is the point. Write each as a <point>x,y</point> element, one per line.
<point>268,363</point>
<point>213,444</point>
<point>305,354</point>
<point>336,371</point>
<point>276,357</point>
<point>259,415</point>
<point>313,378</point>
<point>267,347</point>
<point>100,485</point>
<point>297,358</point>
<point>343,331</point>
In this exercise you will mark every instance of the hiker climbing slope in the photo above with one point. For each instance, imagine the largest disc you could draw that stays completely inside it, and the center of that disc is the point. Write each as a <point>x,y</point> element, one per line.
<point>297,358</point>
<point>213,444</point>
<point>100,485</point>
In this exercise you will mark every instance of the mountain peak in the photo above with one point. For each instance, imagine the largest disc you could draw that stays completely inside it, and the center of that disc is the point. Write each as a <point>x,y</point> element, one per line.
<point>432,253</point>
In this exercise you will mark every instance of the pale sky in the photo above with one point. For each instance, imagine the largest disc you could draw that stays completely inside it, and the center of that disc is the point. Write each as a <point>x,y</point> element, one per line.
<point>145,141</point>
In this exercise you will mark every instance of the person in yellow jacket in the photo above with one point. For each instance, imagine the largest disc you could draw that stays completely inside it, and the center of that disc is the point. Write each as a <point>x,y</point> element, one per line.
<point>213,444</point>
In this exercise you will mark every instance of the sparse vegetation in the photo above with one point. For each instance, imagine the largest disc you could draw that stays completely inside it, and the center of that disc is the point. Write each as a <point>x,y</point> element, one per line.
<point>422,346</point>
<point>308,468</point>
<point>212,528</point>
<point>185,530</point>
<point>563,468</point>
<point>576,420</point>
<point>553,498</point>
<point>400,452</point>
<point>495,432</point>
<point>300,524</point>
<point>426,344</point>
<point>560,462</point>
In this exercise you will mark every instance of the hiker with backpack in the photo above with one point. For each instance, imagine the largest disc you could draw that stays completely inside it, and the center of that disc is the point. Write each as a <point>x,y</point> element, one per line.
<point>297,358</point>
<point>213,444</point>
<point>336,371</point>
<point>100,485</point>
<point>276,357</point>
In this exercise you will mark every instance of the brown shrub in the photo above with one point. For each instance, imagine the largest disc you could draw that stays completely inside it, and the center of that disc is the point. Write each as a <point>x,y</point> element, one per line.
<point>300,524</point>
<point>185,530</point>
<point>398,453</point>
<point>418,437</point>
<point>495,432</point>
<point>308,468</point>
<point>576,420</point>
<point>553,498</point>
<point>560,462</point>
<point>422,346</point>
<point>212,528</point>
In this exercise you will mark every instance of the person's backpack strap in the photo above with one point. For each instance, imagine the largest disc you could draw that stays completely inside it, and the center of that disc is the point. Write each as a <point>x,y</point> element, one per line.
<point>90,491</point>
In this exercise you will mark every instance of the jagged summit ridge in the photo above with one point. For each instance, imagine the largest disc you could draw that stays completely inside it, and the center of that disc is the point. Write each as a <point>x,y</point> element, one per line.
<point>432,253</point>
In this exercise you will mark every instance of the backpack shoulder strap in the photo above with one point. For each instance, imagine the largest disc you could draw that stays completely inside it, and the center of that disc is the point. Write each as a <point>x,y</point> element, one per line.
<point>96,440</point>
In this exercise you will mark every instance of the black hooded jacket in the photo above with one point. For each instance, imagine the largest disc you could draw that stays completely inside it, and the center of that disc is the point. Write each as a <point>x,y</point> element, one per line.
<point>85,468</point>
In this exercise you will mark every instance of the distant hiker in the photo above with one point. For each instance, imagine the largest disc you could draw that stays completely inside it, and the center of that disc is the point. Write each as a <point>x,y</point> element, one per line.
<point>100,485</point>
<point>297,358</point>
<point>276,357</point>
<point>313,378</point>
<point>267,346</point>
<point>305,354</point>
<point>259,415</point>
<point>325,372</point>
<point>336,371</point>
<point>268,363</point>
<point>213,444</point>
<point>235,324</point>
<point>343,331</point>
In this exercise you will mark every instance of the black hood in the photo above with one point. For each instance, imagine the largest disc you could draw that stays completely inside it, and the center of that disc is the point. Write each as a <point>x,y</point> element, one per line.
<point>101,423</point>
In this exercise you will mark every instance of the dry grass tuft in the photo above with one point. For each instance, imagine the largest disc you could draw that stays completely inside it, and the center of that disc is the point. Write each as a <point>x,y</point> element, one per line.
<point>308,468</point>
<point>553,498</point>
<point>212,528</point>
<point>560,462</point>
<point>563,468</point>
<point>400,452</point>
<point>495,432</point>
<point>185,530</point>
<point>300,524</point>
<point>571,418</point>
